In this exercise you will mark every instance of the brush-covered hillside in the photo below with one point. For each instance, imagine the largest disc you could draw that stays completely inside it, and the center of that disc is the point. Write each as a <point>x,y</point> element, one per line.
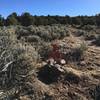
<point>51,62</point>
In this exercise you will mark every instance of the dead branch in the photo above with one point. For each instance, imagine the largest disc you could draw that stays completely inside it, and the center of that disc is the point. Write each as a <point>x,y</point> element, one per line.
<point>6,66</point>
<point>2,54</point>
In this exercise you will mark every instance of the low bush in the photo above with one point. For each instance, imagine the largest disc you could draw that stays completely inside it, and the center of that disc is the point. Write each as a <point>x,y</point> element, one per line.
<point>15,60</point>
<point>80,33</point>
<point>79,52</point>
<point>22,32</point>
<point>44,51</point>
<point>76,54</point>
<point>95,93</point>
<point>32,38</point>
<point>97,40</point>
<point>91,35</point>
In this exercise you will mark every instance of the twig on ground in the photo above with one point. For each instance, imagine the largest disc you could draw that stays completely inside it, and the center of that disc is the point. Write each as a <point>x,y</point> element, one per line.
<point>6,66</point>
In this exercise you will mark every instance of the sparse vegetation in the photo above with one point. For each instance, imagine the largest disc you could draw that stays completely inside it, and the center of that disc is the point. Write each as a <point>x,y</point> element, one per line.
<point>25,54</point>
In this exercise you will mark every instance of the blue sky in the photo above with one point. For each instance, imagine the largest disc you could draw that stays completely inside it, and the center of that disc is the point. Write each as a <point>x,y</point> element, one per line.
<point>52,7</point>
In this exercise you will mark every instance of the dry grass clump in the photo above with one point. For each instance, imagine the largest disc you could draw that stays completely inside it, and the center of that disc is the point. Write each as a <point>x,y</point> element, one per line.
<point>79,52</point>
<point>44,51</point>
<point>76,54</point>
<point>15,60</point>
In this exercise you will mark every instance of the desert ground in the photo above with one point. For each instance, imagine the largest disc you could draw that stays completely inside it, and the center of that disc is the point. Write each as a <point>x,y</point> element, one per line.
<point>31,70</point>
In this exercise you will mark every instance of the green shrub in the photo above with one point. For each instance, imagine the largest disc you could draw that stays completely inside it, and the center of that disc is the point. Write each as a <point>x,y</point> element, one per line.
<point>80,33</point>
<point>44,51</point>
<point>80,51</point>
<point>90,35</point>
<point>95,93</point>
<point>23,32</point>
<point>32,38</point>
<point>77,54</point>
<point>97,41</point>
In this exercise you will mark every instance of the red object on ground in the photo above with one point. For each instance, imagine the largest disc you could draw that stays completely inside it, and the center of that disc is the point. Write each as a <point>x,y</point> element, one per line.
<point>55,47</point>
<point>55,53</point>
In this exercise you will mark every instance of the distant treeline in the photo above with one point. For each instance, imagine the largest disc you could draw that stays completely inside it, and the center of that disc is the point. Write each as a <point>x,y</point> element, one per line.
<point>27,19</point>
